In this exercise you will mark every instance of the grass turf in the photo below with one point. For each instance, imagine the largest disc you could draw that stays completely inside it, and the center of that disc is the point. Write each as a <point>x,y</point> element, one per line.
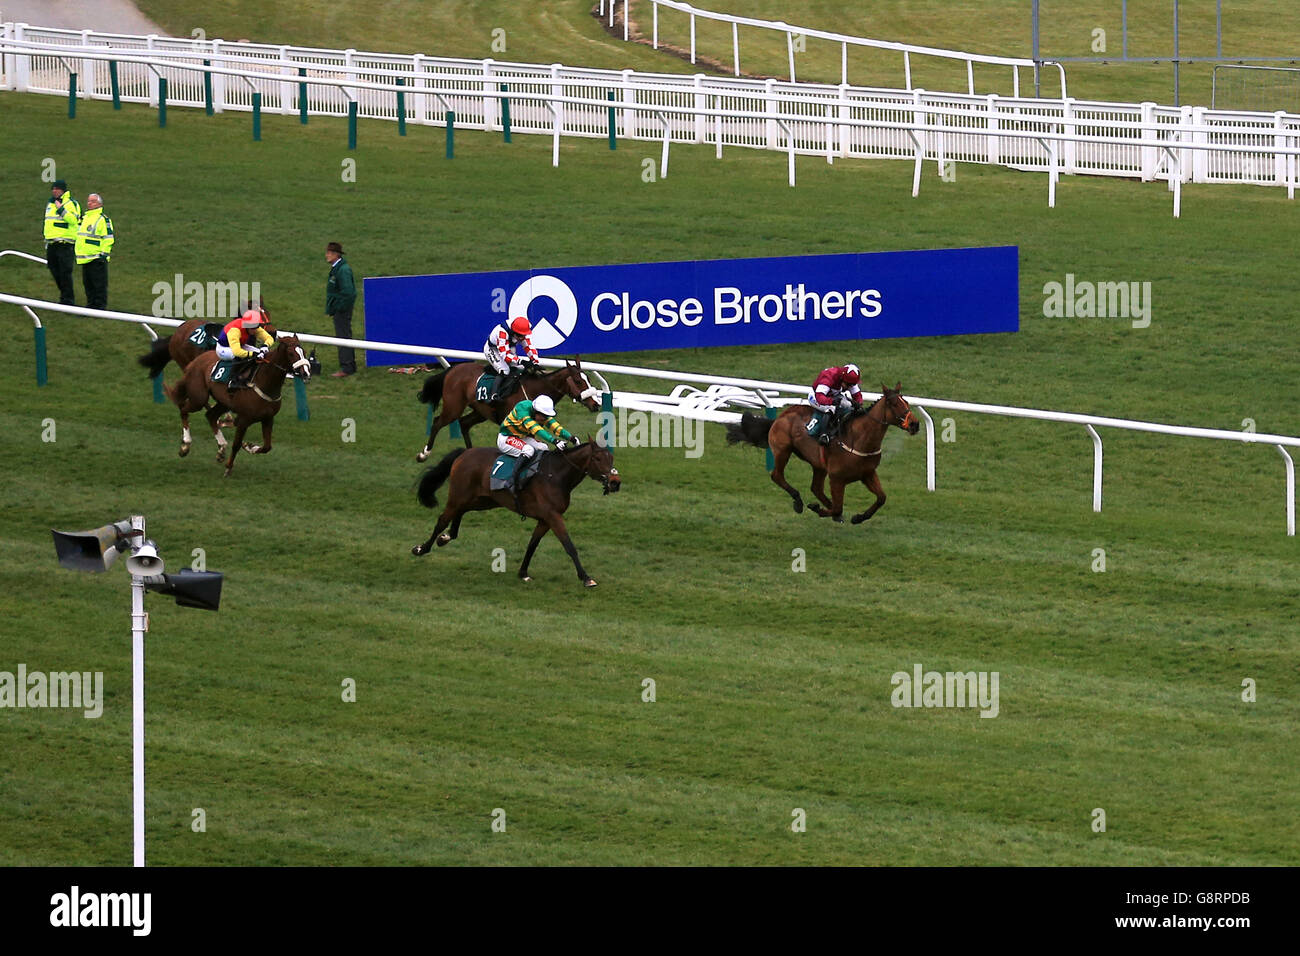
<point>1120,690</point>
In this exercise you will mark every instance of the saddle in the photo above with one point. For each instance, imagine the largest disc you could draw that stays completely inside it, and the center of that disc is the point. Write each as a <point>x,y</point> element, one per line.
<point>233,373</point>
<point>502,476</point>
<point>204,337</point>
<point>493,388</point>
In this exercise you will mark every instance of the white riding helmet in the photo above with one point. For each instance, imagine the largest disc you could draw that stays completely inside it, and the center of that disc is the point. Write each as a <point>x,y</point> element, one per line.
<point>543,406</point>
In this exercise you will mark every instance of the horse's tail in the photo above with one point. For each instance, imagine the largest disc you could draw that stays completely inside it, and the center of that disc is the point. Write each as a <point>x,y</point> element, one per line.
<point>157,358</point>
<point>431,393</point>
<point>176,394</point>
<point>751,429</point>
<point>433,478</point>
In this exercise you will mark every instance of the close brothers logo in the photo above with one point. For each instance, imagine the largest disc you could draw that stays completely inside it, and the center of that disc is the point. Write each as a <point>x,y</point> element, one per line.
<point>611,311</point>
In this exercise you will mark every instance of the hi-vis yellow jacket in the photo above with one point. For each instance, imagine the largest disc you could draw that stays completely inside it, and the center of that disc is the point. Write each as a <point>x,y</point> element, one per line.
<point>95,237</point>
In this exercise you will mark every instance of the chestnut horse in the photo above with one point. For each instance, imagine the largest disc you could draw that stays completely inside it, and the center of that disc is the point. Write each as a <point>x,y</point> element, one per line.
<point>545,497</point>
<point>454,388</point>
<point>853,454</point>
<point>179,349</point>
<point>256,402</point>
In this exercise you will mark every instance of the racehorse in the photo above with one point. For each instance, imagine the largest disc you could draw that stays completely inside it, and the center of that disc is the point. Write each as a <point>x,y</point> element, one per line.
<point>545,497</point>
<point>256,402</point>
<point>179,349</point>
<point>853,454</point>
<point>454,388</point>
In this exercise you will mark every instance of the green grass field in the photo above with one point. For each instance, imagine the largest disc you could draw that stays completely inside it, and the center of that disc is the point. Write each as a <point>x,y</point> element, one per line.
<point>1119,690</point>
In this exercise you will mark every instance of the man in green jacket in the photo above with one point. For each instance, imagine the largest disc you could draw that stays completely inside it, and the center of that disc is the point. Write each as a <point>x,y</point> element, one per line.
<point>340,296</point>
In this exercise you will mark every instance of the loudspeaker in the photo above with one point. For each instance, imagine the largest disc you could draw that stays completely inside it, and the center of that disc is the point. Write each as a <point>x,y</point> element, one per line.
<point>144,560</point>
<point>92,550</point>
<point>200,589</point>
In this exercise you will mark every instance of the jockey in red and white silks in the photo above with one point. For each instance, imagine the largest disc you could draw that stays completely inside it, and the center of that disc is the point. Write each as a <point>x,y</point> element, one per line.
<point>836,391</point>
<point>501,348</point>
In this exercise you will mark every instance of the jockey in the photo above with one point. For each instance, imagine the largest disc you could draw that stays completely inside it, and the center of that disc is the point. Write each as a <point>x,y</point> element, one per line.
<point>501,351</point>
<point>527,422</point>
<point>248,328</point>
<point>835,392</point>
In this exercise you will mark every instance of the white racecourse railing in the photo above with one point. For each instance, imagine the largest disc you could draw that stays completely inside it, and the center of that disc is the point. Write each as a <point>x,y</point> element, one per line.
<point>609,7</point>
<point>1145,141</point>
<point>706,405</point>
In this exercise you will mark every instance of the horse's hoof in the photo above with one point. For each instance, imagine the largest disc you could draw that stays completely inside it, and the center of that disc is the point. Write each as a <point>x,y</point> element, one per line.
<point>524,577</point>
<point>227,473</point>
<point>443,539</point>
<point>798,506</point>
<point>589,583</point>
<point>422,456</point>
<point>418,550</point>
<point>858,519</point>
<point>838,519</point>
<point>185,450</point>
<point>251,449</point>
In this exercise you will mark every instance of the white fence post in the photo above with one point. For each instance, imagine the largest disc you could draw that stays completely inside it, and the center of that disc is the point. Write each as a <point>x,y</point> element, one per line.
<point>1150,154</point>
<point>701,104</point>
<point>153,74</point>
<point>286,86</point>
<point>557,109</point>
<point>1279,142</point>
<point>992,125</point>
<point>769,108</point>
<point>1200,165</point>
<point>846,112</point>
<point>491,105</point>
<point>218,79</point>
<point>22,64</point>
<point>1070,158</point>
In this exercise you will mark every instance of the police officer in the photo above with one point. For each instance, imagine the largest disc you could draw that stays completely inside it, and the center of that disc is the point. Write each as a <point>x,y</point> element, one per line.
<point>62,216</point>
<point>94,246</point>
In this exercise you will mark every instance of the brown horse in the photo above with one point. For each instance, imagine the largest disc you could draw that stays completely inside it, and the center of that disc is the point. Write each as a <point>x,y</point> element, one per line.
<point>256,402</point>
<point>545,497</point>
<point>179,349</point>
<point>853,455</point>
<point>454,388</point>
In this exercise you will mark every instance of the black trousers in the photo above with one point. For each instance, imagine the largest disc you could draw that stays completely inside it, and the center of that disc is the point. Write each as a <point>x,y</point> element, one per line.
<point>94,276</point>
<point>343,329</point>
<point>60,257</point>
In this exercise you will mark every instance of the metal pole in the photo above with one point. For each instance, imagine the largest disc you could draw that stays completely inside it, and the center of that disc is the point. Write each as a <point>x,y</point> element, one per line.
<point>300,398</point>
<point>158,396</point>
<point>139,624</point>
<point>401,108</point>
<point>112,82</point>
<point>42,369</point>
<point>207,89</point>
<point>505,113</point>
<point>1176,102</point>
<point>607,413</point>
<point>451,134</point>
<point>257,117</point>
<point>302,97</point>
<point>770,412</point>
<point>613,136</point>
<point>1218,27</point>
<point>1037,62</point>
<point>1123,13</point>
<point>72,96</point>
<point>162,108</point>
<point>352,124</point>
<point>1290,491</point>
<point>1096,468</point>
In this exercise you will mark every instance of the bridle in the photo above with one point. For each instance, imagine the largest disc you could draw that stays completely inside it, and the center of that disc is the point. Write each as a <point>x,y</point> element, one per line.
<point>901,423</point>
<point>603,479</point>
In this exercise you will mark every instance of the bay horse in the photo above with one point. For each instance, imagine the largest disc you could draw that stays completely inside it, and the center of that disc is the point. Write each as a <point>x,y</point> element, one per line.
<point>454,388</point>
<point>257,402</point>
<point>178,348</point>
<point>853,454</point>
<point>545,497</point>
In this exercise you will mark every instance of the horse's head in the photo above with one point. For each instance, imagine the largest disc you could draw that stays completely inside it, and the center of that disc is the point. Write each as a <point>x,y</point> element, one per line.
<point>600,464</point>
<point>290,357</point>
<point>897,411</point>
<point>578,388</point>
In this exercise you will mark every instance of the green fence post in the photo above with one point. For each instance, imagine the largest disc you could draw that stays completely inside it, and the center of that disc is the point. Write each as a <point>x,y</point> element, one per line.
<point>613,136</point>
<point>770,412</point>
<point>72,96</point>
<point>607,418</point>
<point>352,124</point>
<point>505,112</point>
<point>401,108</point>
<point>302,97</point>
<point>42,370</point>
<point>162,102</point>
<point>158,397</point>
<point>428,421</point>
<point>207,88</point>
<point>454,429</point>
<point>257,117</point>
<point>300,397</point>
<point>451,134</point>
<point>112,82</point>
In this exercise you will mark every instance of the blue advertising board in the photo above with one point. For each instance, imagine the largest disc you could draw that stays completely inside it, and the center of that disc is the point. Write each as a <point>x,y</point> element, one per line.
<point>671,305</point>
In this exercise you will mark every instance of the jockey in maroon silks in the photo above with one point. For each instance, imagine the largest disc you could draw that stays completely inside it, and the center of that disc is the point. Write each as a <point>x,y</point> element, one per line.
<point>836,391</point>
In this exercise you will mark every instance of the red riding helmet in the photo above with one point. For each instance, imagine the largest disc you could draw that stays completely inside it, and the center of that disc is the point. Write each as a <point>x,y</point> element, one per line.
<point>520,326</point>
<point>251,319</point>
<point>851,375</point>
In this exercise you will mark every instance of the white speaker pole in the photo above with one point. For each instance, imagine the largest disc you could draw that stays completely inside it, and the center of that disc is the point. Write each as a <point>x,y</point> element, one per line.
<point>139,624</point>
